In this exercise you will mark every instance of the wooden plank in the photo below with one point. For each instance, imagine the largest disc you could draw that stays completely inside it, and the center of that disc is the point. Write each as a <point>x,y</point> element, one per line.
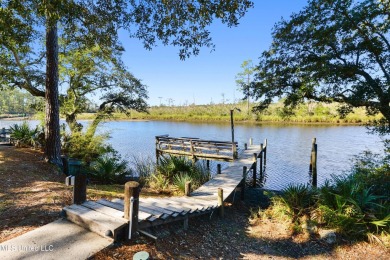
<point>95,221</point>
<point>141,215</point>
<point>103,209</point>
<point>157,222</point>
<point>187,202</point>
<point>165,203</point>
<point>194,208</point>
<point>155,211</point>
<point>152,205</point>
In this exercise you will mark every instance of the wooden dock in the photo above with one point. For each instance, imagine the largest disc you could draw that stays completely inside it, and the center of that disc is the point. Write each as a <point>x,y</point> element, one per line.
<point>196,148</point>
<point>107,218</point>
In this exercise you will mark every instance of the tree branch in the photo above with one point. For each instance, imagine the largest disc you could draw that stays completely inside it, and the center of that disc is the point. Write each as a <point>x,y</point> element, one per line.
<point>27,86</point>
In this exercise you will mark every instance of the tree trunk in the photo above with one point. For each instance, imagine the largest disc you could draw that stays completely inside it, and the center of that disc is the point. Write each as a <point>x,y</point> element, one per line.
<point>52,129</point>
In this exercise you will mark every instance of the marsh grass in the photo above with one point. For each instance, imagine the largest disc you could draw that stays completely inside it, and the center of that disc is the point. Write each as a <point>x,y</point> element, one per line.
<point>311,112</point>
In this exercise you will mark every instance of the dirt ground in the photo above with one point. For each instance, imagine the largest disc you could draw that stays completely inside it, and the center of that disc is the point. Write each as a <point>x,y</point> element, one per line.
<point>32,194</point>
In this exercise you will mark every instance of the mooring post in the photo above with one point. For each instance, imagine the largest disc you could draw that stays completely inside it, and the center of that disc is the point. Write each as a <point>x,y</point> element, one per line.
<point>311,154</point>
<point>80,189</point>
<point>244,170</point>
<point>261,160</point>
<point>208,164</point>
<point>221,210</point>
<point>157,151</point>
<point>218,168</point>
<point>314,166</point>
<point>265,151</point>
<point>254,168</point>
<point>132,190</point>
<point>251,141</point>
<point>187,188</point>
<point>245,146</point>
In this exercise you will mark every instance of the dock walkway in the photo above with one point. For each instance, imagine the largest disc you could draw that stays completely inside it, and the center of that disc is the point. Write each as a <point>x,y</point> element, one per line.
<point>106,217</point>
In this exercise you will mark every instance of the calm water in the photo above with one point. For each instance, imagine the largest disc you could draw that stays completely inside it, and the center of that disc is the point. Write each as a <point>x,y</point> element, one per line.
<point>289,146</point>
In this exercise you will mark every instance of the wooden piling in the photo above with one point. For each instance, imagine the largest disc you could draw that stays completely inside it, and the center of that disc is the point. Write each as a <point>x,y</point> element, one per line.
<point>235,154</point>
<point>265,151</point>
<point>261,161</point>
<point>208,164</point>
<point>218,168</point>
<point>314,165</point>
<point>132,190</point>
<point>251,141</point>
<point>80,189</point>
<point>221,210</point>
<point>244,170</point>
<point>311,154</point>
<point>245,146</point>
<point>187,188</point>
<point>254,168</point>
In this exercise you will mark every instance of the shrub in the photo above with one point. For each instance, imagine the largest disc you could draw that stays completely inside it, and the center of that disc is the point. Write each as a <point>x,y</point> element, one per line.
<point>298,199</point>
<point>23,135</point>
<point>172,168</point>
<point>180,180</point>
<point>109,169</point>
<point>158,181</point>
<point>356,204</point>
<point>83,146</point>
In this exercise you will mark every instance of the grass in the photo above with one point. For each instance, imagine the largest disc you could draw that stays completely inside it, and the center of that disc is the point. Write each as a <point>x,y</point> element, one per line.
<point>106,191</point>
<point>309,113</point>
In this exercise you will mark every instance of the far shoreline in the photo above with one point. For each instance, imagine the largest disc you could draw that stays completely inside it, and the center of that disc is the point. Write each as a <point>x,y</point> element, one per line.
<point>197,121</point>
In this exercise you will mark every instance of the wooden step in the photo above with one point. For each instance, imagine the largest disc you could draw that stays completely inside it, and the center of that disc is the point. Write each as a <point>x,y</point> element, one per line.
<point>102,224</point>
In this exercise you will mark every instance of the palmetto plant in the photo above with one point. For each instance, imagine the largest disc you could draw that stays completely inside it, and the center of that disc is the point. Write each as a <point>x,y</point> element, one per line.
<point>109,169</point>
<point>298,199</point>
<point>175,168</point>
<point>180,180</point>
<point>172,165</point>
<point>23,135</point>
<point>351,206</point>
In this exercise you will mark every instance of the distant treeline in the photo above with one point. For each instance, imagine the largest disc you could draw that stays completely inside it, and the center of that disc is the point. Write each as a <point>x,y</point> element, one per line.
<point>17,102</point>
<point>310,112</point>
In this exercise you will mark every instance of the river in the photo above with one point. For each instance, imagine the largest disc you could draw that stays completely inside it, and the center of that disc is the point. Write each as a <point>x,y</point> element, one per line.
<point>288,152</point>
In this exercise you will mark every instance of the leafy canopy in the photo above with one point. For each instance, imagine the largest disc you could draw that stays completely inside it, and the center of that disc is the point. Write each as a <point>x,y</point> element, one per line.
<point>331,51</point>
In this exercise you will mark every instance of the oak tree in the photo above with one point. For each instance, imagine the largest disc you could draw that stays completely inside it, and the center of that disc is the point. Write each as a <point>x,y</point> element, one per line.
<point>24,24</point>
<point>331,51</point>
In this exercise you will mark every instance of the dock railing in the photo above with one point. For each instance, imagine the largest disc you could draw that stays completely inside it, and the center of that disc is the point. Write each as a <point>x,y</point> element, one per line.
<point>196,148</point>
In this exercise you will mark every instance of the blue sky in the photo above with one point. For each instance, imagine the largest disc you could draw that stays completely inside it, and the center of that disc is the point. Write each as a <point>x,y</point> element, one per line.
<point>208,76</point>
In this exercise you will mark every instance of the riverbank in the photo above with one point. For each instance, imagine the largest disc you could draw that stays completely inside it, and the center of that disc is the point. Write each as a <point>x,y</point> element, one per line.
<point>32,194</point>
<point>309,113</point>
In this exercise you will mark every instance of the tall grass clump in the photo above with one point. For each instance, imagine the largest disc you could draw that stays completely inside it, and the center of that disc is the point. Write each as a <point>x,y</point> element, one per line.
<point>143,168</point>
